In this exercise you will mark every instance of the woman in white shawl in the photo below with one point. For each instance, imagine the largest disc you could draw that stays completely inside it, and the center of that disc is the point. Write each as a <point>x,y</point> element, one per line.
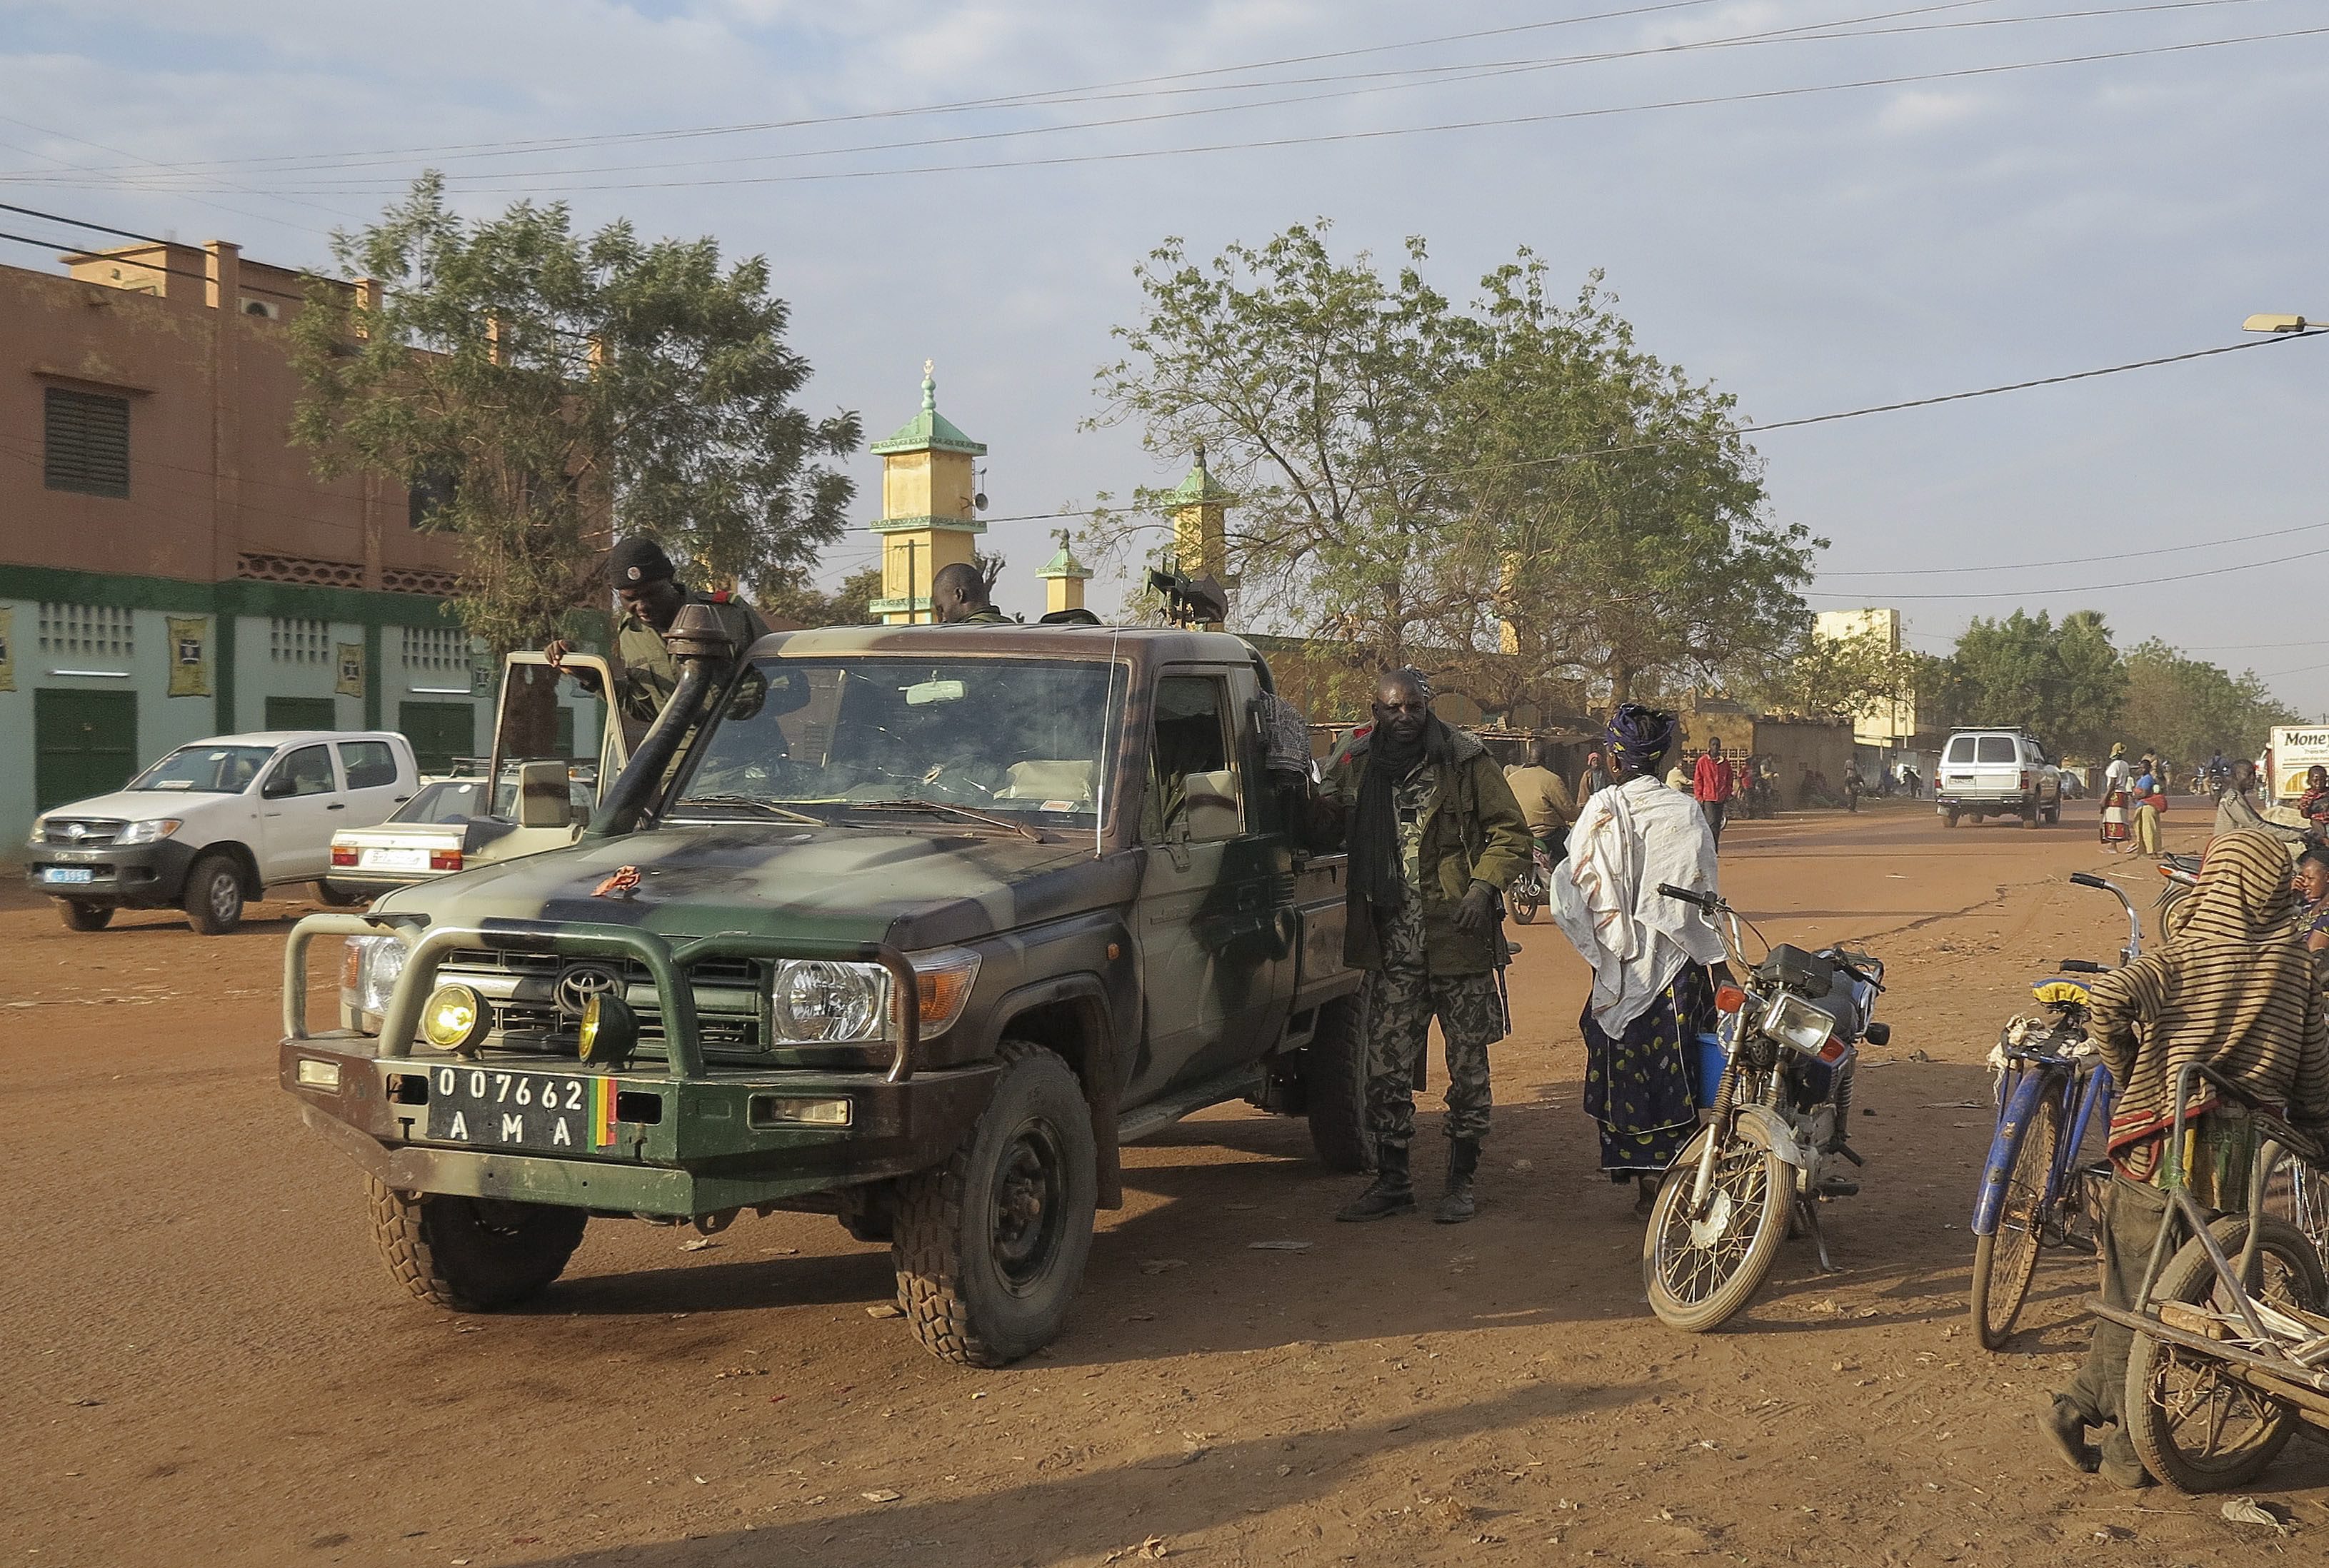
<point>1650,954</point>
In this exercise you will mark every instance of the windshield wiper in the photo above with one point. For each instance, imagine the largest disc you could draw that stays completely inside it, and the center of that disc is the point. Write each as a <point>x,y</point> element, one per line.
<point>947,808</point>
<point>756,804</point>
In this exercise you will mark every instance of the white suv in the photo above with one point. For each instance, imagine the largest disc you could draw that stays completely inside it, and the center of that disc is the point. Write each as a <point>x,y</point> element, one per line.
<point>1997,773</point>
<point>217,822</point>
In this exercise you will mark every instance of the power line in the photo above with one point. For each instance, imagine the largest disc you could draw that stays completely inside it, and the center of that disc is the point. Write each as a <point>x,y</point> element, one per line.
<point>56,245</point>
<point>1432,76</point>
<point>2044,591</point>
<point>957,105</point>
<point>1498,122</point>
<point>2074,560</point>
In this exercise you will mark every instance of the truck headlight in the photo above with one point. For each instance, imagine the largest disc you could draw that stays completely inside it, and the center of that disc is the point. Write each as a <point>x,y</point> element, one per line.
<point>817,1001</point>
<point>150,833</point>
<point>369,973</point>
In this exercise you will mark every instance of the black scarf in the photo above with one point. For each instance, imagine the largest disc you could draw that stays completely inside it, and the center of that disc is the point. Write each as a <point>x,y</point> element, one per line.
<point>1377,868</point>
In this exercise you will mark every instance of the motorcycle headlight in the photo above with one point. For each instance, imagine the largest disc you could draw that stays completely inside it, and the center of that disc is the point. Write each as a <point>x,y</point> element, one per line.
<point>1793,1022</point>
<point>817,1001</point>
<point>150,833</point>
<point>369,973</point>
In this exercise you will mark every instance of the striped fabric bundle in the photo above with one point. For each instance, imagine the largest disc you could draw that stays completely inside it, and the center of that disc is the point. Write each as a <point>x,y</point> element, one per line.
<point>2235,990</point>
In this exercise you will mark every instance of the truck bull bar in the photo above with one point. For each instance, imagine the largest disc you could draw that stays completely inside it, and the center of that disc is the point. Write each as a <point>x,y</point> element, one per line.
<point>667,966</point>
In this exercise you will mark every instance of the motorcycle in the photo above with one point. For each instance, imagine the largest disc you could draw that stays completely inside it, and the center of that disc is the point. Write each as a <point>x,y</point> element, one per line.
<point>1531,888</point>
<point>2182,874</point>
<point>1775,1144</point>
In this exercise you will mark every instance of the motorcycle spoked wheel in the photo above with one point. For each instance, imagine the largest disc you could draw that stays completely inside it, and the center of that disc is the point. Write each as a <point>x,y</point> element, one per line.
<point>1700,1273</point>
<point>1524,902</point>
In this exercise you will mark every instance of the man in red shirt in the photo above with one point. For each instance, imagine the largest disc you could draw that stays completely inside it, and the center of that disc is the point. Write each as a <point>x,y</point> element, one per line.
<point>1711,784</point>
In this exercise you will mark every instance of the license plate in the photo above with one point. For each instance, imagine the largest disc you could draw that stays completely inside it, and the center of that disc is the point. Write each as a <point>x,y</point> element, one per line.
<point>392,859</point>
<point>67,874</point>
<point>491,1108</point>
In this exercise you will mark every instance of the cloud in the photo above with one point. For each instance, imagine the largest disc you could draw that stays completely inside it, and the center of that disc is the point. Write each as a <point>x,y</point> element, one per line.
<point>1912,112</point>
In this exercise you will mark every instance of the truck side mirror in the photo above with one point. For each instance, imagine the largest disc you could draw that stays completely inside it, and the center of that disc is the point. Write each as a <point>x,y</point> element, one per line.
<point>280,785</point>
<point>542,799</point>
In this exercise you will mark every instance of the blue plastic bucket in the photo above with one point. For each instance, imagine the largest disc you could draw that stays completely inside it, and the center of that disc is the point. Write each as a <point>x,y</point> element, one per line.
<point>1703,1060</point>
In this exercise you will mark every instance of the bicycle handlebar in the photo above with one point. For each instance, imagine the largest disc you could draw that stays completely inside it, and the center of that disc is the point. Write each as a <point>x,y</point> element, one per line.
<point>2088,879</point>
<point>2082,966</point>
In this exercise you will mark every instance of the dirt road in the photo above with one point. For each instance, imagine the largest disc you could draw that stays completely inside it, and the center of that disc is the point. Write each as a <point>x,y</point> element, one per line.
<point>207,1364</point>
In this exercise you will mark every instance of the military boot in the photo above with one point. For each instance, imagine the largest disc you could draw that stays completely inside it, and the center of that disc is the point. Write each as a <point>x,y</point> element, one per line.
<point>1462,1164</point>
<point>1391,1192</point>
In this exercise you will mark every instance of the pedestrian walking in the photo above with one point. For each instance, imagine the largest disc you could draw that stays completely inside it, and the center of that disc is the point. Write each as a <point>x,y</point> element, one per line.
<point>1712,783</point>
<point>2115,778</point>
<point>1435,837</point>
<point>2149,799</point>
<point>1656,960</point>
<point>2232,989</point>
<point>1594,779</point>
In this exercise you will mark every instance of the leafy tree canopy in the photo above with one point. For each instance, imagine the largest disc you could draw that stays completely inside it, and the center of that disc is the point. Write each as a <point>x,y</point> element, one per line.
<point>1421,483</point>
<point>2185,709</point>
<point>549,388</point>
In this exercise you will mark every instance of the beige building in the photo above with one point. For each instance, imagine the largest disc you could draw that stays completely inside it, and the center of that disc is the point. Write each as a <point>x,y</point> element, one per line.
<point>1890,723</point>
<point>170,566</point>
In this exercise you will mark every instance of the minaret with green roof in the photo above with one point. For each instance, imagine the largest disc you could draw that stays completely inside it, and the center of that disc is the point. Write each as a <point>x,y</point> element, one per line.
<point>1064,577</point>
<point>1199,511</point>
<point>929,517</point>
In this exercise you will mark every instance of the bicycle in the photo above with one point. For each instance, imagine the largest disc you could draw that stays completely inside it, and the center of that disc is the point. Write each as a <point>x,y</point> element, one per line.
<point>2035,1193</point>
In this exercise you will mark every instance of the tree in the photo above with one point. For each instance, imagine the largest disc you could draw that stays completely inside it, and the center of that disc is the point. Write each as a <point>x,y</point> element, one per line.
<point>2185,710</point>
<point>550,388</point>
<point>1512,496</point>
<point>792,596</point>
<point>2065,682</point>
<point>1310,384</point>
<point>1609,512</point>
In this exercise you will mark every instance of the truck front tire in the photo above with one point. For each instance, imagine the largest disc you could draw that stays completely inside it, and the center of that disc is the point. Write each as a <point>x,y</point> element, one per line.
<point>473,1255</point>
<point>990,1246</point>
<point>213,895</point>
<point>1335,1078</point>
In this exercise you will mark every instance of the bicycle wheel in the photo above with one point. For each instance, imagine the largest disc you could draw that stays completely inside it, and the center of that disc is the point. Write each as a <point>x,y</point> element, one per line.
<point>2192,1426</point>
<point>2005,1260</point>
<point>1697,1272</point>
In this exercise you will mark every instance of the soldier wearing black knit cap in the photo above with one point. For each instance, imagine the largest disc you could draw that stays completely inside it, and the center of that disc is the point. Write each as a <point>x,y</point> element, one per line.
<point>647,588</point>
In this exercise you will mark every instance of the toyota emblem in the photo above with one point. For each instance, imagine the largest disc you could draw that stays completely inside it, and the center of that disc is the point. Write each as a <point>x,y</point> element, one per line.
<point>78,831</point>
<point>578,982</point>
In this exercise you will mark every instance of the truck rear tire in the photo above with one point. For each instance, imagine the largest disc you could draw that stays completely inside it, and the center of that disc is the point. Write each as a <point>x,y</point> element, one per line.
<point>213,898</point>
<point>1335,1078</point>
<point>80,916</point>
<point>473,1255</point>
<point>990,1246</point>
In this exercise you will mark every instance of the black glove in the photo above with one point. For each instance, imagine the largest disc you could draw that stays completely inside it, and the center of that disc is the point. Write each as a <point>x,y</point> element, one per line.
<point>1477,911</point>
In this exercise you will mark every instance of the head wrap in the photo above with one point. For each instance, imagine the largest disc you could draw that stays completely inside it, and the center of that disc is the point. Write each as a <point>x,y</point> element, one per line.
<point>1639,736</point>
<point>2243,894</point>
<point>638,562</point>
<point>2118,748</point>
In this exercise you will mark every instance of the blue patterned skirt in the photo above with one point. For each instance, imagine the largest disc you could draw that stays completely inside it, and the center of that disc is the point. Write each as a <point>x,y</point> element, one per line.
<point>1636,1086</point>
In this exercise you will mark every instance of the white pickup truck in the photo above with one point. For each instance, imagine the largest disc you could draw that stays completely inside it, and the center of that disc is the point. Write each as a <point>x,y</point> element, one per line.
<point>216,823</point>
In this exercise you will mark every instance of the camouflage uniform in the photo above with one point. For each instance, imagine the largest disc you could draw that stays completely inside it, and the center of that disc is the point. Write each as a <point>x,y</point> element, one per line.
<point>647,673</point>
<point>1404,995</point>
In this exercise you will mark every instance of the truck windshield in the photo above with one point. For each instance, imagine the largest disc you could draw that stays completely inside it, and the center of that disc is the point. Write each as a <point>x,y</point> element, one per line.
<point>215,770</point>
<point>1007,736</point>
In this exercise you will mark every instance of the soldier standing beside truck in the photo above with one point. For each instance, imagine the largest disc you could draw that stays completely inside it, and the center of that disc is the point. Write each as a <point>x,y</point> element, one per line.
<point>646,585</point>
<point>1435,837</point>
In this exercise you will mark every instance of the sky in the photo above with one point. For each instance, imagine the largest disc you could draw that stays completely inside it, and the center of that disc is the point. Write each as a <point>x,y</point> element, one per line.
<point>1817,205</point>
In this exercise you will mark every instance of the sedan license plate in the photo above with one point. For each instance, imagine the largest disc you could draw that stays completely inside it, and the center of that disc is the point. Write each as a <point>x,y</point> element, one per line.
<point>67,874</point>
<point>392,859</point>
<point>494,1109</point>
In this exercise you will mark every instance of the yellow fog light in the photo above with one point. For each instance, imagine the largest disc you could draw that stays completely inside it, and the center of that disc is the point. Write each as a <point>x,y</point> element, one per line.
<point>456,1018</point>
<point>611,1031</point>
<point>769,1109</point>
<point>316,1075</point>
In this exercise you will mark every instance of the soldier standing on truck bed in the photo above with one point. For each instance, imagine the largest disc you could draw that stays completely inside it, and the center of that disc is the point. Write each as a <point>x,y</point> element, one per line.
<point>648,586</point>
<point>1435,837</point>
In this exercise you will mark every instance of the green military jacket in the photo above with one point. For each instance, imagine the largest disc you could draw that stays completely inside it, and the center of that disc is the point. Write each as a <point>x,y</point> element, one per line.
<point>647,674</point>
<point>1473,831</point>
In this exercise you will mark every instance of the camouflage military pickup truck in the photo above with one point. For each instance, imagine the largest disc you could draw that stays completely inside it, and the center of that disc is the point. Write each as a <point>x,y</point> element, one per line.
<point>914,926</point>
